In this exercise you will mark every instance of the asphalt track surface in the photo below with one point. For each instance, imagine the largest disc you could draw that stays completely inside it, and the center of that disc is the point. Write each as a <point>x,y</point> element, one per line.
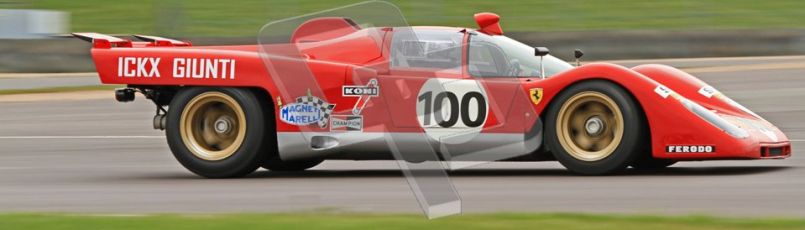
<point>33,81</point>
<point>101,156</point>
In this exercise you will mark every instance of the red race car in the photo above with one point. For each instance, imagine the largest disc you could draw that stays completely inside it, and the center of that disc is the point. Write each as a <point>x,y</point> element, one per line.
<point>339,89</point>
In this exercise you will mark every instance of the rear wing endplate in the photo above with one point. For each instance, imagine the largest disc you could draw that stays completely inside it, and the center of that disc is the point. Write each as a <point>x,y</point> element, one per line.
<point>160,41</point>
<point>103,41</point>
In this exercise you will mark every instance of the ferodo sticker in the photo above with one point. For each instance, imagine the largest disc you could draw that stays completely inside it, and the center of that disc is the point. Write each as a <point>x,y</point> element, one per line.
<point>191,68</point>
<point>452,111</point>
<point>690,149</point>
<point>708,91</point>
<point>307,110</point>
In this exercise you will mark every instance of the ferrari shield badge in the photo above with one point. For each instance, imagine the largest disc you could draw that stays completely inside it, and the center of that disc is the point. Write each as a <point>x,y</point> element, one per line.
<point>536,95</point>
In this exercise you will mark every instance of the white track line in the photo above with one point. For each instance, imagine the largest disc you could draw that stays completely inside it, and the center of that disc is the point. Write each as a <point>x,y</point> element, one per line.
<point>81,137</point>
<point>48,75</point>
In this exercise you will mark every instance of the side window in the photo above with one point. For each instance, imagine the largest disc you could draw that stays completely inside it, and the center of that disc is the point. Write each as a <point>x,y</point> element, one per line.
<point>487,59</point>
<point>423,48</point>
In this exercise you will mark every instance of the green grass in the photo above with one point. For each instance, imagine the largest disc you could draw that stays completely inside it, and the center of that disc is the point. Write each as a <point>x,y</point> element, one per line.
<point>245,17</point>
<point>337,221</point>
<point>58,90</point>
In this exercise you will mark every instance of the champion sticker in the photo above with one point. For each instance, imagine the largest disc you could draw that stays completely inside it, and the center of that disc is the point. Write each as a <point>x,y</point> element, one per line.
<point>690,149</point>
<point>307,110</point>
<point>346,123</point>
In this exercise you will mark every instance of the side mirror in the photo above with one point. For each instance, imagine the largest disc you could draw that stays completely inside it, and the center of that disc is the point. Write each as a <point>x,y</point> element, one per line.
<point>578,54</point>
<point>541,52</point>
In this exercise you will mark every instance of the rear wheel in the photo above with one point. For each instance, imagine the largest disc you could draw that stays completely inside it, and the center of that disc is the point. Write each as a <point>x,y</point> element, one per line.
<point>594,128</point>
<point>211,131</point>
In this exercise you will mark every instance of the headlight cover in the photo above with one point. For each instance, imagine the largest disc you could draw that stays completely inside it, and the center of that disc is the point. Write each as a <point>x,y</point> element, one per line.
<point>709,92</point>
<point>714,118</point>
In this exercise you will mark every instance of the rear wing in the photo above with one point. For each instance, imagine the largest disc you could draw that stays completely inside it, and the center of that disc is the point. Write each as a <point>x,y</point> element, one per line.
<point>103,41</point>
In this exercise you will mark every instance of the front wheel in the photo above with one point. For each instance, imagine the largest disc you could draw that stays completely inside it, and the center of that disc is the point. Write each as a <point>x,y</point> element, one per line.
<point>216,132</point>
<point>594,128</point>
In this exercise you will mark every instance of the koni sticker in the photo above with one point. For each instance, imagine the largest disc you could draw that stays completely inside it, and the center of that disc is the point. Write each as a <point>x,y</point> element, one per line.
<point>370,89</point>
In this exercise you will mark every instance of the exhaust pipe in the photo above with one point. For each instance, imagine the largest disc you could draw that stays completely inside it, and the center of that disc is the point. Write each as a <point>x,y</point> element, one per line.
<point>124,94</point>
<point>160,121</point>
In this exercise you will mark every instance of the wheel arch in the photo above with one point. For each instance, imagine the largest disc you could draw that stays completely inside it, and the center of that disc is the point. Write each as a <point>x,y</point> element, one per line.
<point>668,120</point>
<point>166,94</point>
<point>552,102</point>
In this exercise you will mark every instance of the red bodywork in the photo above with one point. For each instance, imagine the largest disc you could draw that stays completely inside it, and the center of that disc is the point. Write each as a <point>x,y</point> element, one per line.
<point>334,64</point>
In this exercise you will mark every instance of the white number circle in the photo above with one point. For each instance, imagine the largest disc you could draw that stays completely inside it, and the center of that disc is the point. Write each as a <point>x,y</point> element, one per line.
<point>452,111</point>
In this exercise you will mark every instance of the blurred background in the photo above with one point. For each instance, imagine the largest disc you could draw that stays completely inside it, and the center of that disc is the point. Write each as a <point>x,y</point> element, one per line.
<point>67,147</point>
<point>616,29</point>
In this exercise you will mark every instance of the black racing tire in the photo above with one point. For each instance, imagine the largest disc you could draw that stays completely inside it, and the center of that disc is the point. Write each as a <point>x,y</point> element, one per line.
<point>242,155</point>
<point>616,108</point>
<point>291,166</point>
<point>650,163</point>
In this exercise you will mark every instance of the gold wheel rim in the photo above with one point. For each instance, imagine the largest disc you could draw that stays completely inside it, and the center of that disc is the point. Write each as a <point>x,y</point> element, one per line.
<point>578,119</point>
<point>213,126</point>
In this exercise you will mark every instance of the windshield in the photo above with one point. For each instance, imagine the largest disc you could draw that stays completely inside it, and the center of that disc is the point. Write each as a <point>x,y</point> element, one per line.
<point>500,56</point>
